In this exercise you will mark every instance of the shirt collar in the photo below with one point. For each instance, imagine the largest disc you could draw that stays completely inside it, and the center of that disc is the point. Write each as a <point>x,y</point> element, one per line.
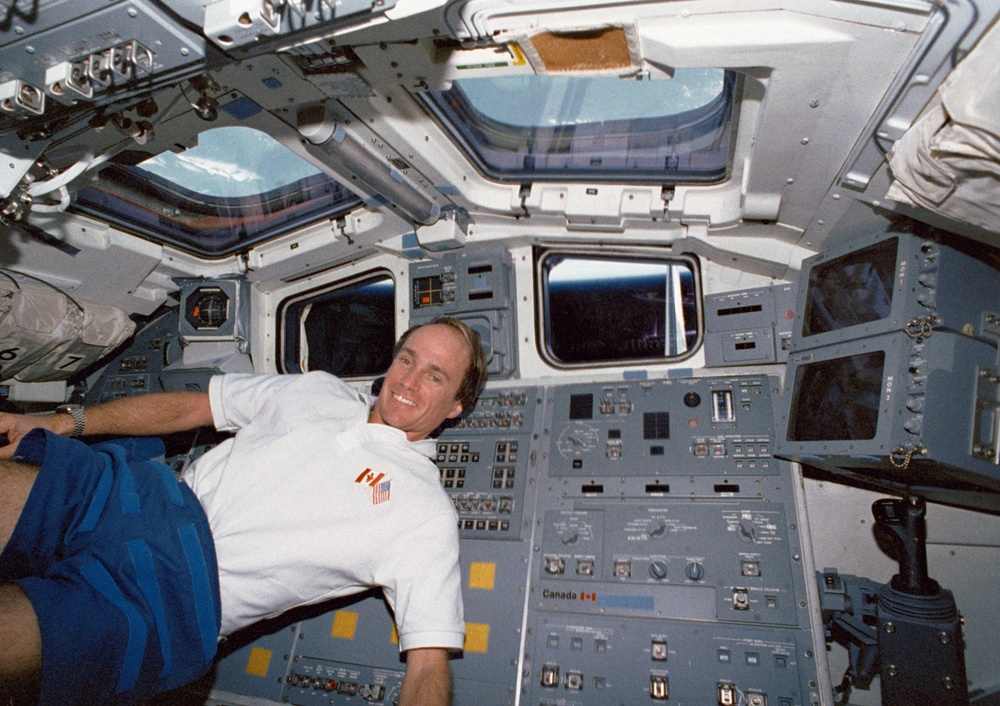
<point>424,447</point>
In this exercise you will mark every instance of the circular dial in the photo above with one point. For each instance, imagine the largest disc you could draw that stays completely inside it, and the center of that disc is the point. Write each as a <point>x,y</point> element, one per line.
<point>207,309</point>
<point>577,440</point>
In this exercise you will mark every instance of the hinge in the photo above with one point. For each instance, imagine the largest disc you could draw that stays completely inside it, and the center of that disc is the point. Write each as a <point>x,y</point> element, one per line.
<point>666,195</point>
<point>340,224</point>
<point>523,193</point>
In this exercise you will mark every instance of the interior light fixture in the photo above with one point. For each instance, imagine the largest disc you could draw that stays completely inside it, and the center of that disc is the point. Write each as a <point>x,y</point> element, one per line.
<point>333,145</point>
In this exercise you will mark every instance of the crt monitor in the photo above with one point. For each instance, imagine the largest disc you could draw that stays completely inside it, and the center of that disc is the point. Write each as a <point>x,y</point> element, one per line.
<point>894,282</point>
<point>901,412</point>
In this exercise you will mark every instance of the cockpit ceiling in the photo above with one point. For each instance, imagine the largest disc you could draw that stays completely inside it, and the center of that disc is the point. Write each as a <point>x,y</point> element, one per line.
<point>350,91</point>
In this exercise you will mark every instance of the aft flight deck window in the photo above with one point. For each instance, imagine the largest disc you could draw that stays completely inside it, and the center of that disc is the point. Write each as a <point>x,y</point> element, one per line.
<point>617,309</point>
<point>235,188</point>
<point>535,128</point>
<point>348,330</point>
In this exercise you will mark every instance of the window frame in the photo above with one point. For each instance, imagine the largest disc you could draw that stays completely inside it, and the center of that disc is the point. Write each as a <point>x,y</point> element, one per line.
<point>283,344</point>
<point>542,322</point>
<point>727,104</point>
<point>140,202</point>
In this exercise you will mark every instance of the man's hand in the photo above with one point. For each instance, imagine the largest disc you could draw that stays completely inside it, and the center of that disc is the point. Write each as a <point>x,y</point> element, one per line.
<point>15,426</point>
<point>427,681</point>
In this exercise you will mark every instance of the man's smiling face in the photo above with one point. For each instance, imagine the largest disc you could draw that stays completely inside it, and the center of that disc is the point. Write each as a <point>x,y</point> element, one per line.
<point>421,385</point>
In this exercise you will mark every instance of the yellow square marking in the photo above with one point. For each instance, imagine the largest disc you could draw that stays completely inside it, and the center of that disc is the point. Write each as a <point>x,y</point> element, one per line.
<point>260,660</point>
<point>345,623</point>
<point>395,635</point>
<point>482,575</point>
<point>477,637</point>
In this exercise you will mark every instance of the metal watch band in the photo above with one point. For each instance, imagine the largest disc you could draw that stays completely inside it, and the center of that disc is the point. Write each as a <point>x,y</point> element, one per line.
<point>75,411</point>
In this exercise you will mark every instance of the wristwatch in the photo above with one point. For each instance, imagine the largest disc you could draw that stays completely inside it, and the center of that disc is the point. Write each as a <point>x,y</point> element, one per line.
<point>75,411</point>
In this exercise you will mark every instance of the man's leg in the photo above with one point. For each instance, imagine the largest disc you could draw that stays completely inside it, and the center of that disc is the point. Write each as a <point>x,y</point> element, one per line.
<point>20,647</point>
<point>20,639</point>
<point>16,480</point>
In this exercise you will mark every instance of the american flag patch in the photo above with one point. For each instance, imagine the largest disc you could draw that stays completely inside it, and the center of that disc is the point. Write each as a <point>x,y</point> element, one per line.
<point>380,492</point>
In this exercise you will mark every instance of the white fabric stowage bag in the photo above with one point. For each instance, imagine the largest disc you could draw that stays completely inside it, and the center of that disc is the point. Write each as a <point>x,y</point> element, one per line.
<point>45,335</point>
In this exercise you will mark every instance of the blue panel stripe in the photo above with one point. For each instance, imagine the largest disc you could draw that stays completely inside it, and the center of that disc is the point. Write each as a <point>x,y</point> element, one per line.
<point>170,480</point>
<point>98,499</point>
<point>101,580</point>
<point>201,585</point>
<point>145,574</point>
<point>243,108</point>
<point>612,600</point>
<point>126,486</point>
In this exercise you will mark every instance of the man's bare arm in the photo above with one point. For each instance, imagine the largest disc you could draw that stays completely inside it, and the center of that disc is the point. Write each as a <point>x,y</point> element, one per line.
<point>145,415</point>
<point>427,681</point>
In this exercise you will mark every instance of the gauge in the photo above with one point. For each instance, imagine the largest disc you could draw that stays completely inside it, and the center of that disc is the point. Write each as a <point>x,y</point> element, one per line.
<point>207,309</point>
<point>427,291</point>
<point>577,439</point>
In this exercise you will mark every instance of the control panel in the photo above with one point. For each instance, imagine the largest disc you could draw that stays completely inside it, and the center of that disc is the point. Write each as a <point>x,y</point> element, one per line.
<point>215,310</point>
<point>137,369</point>
<point>750,326</point>
<point>153,362</point>
<point>714,427</point>
<point>622,543</point>
<point>667,564</point>
<point>476,287</point>
<point>483,462</point>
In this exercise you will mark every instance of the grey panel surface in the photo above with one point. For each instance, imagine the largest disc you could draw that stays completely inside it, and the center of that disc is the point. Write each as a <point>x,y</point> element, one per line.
<point>668,563</point>
<point>749,327</point>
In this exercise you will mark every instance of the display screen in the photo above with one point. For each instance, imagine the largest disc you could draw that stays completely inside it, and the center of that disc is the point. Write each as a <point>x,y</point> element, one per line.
<point>207,309</point>
<point>838,399</point>
<point>427,291</point>
<point>853,289</point>
<point>581,407</point>
<point>656,425</point>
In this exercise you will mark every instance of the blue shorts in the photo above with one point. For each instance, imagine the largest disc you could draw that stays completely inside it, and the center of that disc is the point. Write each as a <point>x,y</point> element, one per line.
<point>116,557</point>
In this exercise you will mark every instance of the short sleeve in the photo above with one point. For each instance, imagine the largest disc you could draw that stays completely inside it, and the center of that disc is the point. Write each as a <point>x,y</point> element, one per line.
<point>426,595</point>
<point>237,399</point>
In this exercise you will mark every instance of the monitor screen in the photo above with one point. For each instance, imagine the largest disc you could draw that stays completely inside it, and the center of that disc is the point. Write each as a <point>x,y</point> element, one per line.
<point>853,289</point>
<point>837,399</point>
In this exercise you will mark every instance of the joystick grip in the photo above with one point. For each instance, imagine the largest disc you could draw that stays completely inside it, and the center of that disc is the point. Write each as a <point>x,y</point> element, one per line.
<point>904,519</point>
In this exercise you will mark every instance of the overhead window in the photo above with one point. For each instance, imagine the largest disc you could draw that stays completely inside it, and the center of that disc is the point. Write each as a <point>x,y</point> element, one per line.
<point>348,330</point>
<point>617,309</point>
<point>555,127</point>
<point>235,188</point>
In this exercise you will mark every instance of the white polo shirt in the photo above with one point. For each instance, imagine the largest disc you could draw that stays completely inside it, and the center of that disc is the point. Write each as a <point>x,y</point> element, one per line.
<point>309,502</point>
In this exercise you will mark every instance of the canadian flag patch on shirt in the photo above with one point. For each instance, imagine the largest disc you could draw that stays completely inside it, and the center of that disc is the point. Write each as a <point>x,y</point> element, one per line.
<point>379,484</point>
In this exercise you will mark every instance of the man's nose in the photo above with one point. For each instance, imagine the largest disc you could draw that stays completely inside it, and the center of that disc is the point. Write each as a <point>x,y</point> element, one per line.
<point>408,379</point>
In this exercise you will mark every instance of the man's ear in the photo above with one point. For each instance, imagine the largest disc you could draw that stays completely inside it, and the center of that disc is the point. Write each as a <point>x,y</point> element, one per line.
<point>456,410</point>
